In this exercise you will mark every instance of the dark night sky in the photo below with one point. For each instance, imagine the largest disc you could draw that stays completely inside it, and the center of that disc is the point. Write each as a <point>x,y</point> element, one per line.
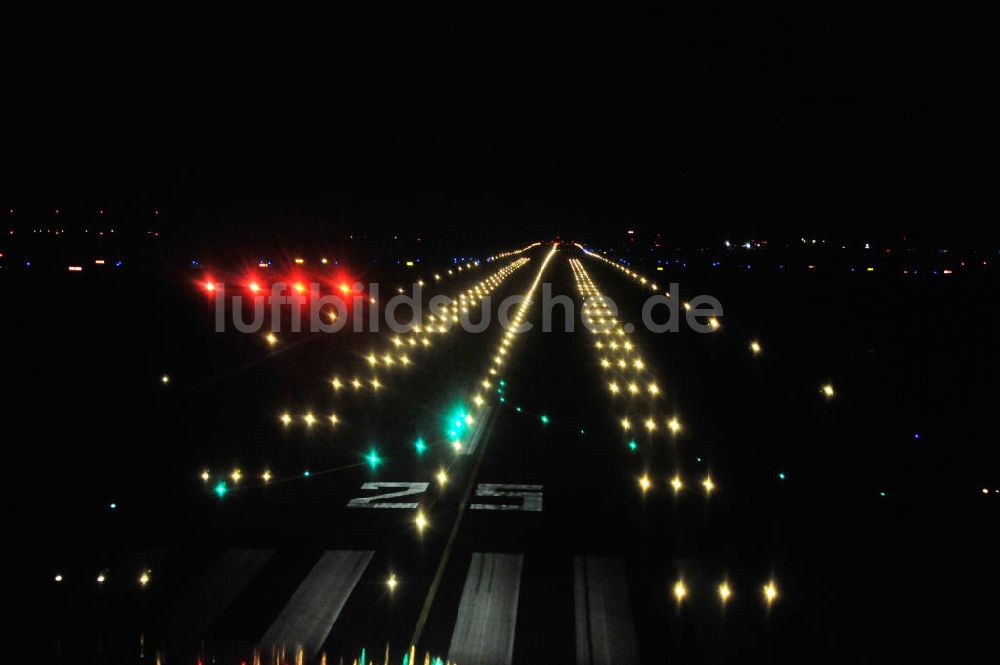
<point>799,128</point>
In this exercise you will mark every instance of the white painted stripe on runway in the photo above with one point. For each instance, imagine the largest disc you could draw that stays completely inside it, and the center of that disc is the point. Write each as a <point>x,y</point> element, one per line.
<point>307,619</point>
<point>487,613</point>
<point>605,632</point>
<point>477,433</point>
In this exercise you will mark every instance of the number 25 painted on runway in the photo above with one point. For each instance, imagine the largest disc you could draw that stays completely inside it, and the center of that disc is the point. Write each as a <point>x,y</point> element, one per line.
<point>530,496</point>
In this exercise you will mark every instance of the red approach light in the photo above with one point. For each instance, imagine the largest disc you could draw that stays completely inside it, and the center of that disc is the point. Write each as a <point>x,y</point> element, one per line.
<point>299,287</point>
<point>342,282</point>
<point>254,287</point>
<point>210,286</point>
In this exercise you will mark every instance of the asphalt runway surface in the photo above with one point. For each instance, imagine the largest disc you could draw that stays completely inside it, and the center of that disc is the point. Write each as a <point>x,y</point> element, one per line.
<point>551,533</point>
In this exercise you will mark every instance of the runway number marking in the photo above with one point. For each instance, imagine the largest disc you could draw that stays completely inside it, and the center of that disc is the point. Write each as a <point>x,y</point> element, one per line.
<point>530,496</point>
<point>369,501</point>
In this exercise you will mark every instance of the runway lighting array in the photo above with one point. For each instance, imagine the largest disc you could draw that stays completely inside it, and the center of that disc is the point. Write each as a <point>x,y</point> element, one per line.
<point>617,356</point>
<point>421,521</point>
<point>444,321</point>
<point>642,281</point>
<point>503,348</point>
<point>391,583</point>
<point>725,592</point>
<point>827,390</point>
<point>514,252</point>
<point>310,419</point>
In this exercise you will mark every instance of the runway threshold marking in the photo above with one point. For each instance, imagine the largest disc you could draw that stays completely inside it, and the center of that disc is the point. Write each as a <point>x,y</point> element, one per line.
<point>307,618</point>
<point>487,613</point>
<point>605,632</point>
